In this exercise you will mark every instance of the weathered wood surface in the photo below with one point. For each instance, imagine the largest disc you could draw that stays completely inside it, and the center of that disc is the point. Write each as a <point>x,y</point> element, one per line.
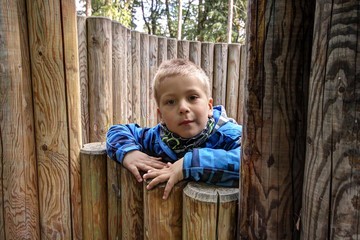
<point>19,206</point>
<point>100,77</point>
<point>136,80</point>
<point>209,212</point>
<point>119,73</point>
<point>153,66</point>
<point>132,203</point>
<point>71,61</point>
<point>195,52</point>
<point>241,91</point>
<point>144,80</point>
<point>129,75</point>
<point>51,120</point>
<point>207,61</point>
<point>183,47</point>
<point>220,70</point>
<point>94,191</point>
<point>172,48</point>
<point>232,82</point>
<point>278,47</point>
<point>331,199</point>
<point>163,218</point>
<point>83,76</point>
<point>162,49</point>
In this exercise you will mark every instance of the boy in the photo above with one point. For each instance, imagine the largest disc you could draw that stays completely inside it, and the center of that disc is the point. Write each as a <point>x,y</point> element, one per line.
<point>194,141</point>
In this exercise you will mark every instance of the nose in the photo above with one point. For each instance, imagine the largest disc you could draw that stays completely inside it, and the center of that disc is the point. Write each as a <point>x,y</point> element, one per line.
<point>183,107</point>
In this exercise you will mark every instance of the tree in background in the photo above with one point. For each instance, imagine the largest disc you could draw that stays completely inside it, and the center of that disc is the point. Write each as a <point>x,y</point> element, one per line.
<point>202,20</point>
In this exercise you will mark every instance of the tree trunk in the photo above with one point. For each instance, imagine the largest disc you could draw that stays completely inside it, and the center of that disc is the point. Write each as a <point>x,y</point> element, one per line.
<point>230,19</point>
<point>88,8</point>
<point>179,20</point>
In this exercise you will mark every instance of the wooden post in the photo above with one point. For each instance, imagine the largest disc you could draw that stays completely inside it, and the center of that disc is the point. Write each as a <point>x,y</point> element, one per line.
<point>131,206</point>
<point>144,80</point>
<point>153,66</point>
<point>331,199</point>
<point>207,61</point>
<point>163,218</point>
<point>273,147</point>
<point>220,69</point>
<point>94,191</point>
<point>171,48</point>
<point>209,212</point>
<point>241,93</point>
<point>129,74</point>
<point>162,49</point>
<point>19,204</point>
<point>183,49</point>
<point>195,52</point>
<point>100,77</point>
<point>136,79</point>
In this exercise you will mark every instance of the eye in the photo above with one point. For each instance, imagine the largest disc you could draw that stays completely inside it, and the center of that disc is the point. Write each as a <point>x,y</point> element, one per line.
<point>170,102</point>
<point>193,97</point>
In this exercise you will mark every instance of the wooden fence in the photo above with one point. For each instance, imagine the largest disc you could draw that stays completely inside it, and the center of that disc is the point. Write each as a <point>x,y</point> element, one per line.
<point>301,121</point>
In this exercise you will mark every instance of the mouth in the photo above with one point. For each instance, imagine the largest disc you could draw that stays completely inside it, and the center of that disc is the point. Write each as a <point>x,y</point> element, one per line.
<point>185,122</point>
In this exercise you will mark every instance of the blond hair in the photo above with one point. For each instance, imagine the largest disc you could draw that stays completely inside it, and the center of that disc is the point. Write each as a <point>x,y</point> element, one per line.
<point>179,67</point>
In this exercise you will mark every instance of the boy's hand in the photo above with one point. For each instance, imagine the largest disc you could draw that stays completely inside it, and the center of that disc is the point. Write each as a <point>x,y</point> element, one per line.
<point>137,160</point>
<point>172,173</point>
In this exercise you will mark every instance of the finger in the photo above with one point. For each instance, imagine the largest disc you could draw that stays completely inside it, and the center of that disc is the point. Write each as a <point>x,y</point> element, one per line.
<point>169,186</point>
<point>156,181</point>
<point>136,173</point>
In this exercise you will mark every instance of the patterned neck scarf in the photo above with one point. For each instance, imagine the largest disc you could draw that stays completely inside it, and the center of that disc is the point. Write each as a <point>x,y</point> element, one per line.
<point>181,145</point>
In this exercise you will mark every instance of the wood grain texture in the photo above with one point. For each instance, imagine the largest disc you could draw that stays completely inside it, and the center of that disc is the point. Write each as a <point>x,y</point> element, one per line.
<point>163,218</point>
<point>331,199</point>
<point>153,66</point>
<point>129,74</point>
<point>195,52</point>
<point>100,77</point>
<point>144,80</point>
<point>72,84</point>
<point>207,60</point>
<point>119,73</point>
<point>19,209</point>
<point>241,99</point>
<point>136,78</point>
<point>219,77</point>
<point>83,76</point>
<point>209,212</point>
<point>132,203</point>
<point>94,191</point>
<point>232,80</point>
<point>183,48</point>
<point>278,47</point>
<point>172,48</point>
<point>162,50</point>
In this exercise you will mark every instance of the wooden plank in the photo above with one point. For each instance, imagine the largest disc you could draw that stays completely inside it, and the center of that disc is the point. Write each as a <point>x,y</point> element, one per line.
<point>119,73</point>
<point>129,74</point>
<point>131,206</point>
<point>207,60</point>
<point>100,77</point>
<point>220,69</point>
<point>232,83</point>
<point>83,75</point>
<point>275,118</point>
<point>144,80</point>
<point>163,218</point>
<point>136,79</point>
<point>19,206</point>
<point>162,50</point>
<point>153,66</point>
<point>209,212</point>
<point>171,48</point>
<point>331,199</point>
<point>183,48</point>
<point>94,190</point>
<point>51,122</point>
<point>240,108</point>
<point>71,61</point>
<point>195,52</point>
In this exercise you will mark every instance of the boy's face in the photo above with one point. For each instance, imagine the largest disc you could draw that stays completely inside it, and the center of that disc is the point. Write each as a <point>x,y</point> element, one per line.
<point>183,105</point>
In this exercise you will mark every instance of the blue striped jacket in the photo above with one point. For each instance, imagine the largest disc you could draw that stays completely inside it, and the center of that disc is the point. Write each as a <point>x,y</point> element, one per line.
<point>217,161</point>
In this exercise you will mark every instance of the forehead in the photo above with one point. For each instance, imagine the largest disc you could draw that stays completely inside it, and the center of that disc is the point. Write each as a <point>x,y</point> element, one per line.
<point>181,83</point>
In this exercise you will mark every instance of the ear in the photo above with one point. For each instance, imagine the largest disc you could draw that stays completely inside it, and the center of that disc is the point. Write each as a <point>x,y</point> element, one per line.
<point>159,113</point>
<point>210,104</point>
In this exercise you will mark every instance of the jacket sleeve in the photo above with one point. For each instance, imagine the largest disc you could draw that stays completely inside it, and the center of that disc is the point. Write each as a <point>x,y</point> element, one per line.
<point>124,138</point>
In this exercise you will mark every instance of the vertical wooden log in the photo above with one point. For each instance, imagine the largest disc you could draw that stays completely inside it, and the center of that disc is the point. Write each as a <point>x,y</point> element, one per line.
<point>94,192</point>
<point>119,73</point>
<point>195,52</point>
<point>153,65</point>
<point>232,84</point>
<point>83,72</point>
<point>51,120</point>
<point>278,47</point>
<point>131,206</point>
<point>209,212</point>
<point>172,48</point>
<point>331,199</point>
<point>162,49</point>
<point>73,99</point>
<point>144,80</point>
<point>19,206</point>
<point>241,93</point>
<point>136,81</point>
<point>163,218</point>
<point>183,49</point>
<point>129,74</point>
<point>100,77</point>
<point>207,61</point>
<point>220,69</point>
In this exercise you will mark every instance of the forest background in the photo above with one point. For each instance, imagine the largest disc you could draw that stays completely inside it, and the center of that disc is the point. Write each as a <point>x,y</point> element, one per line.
<point>200,20</point>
